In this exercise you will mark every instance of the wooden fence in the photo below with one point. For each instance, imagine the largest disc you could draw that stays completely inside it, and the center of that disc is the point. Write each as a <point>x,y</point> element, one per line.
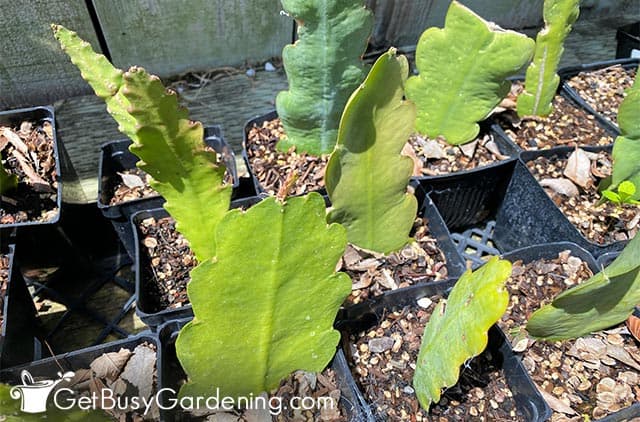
<point>172,36</point>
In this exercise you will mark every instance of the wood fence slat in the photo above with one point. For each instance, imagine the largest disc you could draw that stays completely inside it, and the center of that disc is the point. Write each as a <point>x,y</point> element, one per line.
<point>168,37</point>
<point>33,69</point>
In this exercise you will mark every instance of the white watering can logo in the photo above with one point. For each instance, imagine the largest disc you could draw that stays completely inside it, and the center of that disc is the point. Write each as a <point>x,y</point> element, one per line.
<point>34,394</point>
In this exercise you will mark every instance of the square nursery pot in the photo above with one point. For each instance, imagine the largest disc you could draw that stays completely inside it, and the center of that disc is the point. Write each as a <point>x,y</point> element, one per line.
<point>172,376</point>
<point>565,228</point>
<point>602,95</point>
<point>147,301</point>
<point>365,316</point>
<point>39,116</point>
<point>628,37</point>
<point>52,368</point>
<point>551,251</point>
<point>20,334</point>
<point>258,121</point>
<point>115,158</point>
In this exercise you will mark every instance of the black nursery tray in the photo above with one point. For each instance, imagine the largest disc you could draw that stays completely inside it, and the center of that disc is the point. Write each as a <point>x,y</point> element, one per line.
<point>20,332</point>
<point>363,316</point>
<point>171,375</point>
<point>38,115</point>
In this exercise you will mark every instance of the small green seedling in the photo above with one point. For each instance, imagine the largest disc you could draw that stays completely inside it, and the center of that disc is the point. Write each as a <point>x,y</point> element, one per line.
<point>366,176</point>
<point>463,70</point>
<point>541,80</point>
<point>8,181</point>
<point>323,68</point>
<point>626,191</point>
<point>457,329</point>
<point>606,299</point>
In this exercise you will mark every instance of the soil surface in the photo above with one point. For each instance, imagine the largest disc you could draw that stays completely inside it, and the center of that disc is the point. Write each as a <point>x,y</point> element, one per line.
<point>566,125</point>
<point>170,259</point>
<point>433,157</point>
<point>418,262</point>
<point>274,169</point>
<point>134,184</point>
<point>322,387</point>
<point>581,379</point>
<point>27,152</point>
<point>127,373</point>
<point>603,223</point>
<point>383,360</point>
<point>4,280</point>
<point>604,89</point>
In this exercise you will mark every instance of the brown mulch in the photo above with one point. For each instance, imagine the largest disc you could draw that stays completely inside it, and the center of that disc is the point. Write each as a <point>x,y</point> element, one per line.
<point>566,125</point>
<point>418,262</point>
<point>603,223</point>
<point>27,151</point>
<point>272,168</point>
<point>170,259</point>
<point>433,157</point>
<point>581,379</point>
<point>604,89</point>
<point>383,360</point>
<point>4,280</point>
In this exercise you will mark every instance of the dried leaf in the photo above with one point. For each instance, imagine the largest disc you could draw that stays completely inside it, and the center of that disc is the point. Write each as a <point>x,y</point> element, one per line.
<point>492,147</point>
<point>140,368</point>
<point>579,168</point>
<point>131,180</point>
<point>37,182</point>
<point>620,354</point>
<point>562,186</point>
<point>432,149</point>
<point>633,323</point>
<point>557,404</point>
<point>109,365</point>
<point>15,140</point>
<point>408,151</point>
<point>469,148</point>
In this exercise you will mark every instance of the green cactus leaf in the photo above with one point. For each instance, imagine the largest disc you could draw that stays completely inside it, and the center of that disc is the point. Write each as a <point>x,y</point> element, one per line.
<point>626,148</point>
<point>366,176</point>
<point>265,305</point>
<point>463,68</point>
<point>323,68</point>
<point>8,181</point>
<point>541,80</point>
<point>169,145</point>
<point>457,329</point>
<point>606,299</point>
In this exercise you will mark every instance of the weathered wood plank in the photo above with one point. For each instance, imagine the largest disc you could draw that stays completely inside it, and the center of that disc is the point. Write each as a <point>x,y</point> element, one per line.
<point>33,69</point>
<point>168,37</point>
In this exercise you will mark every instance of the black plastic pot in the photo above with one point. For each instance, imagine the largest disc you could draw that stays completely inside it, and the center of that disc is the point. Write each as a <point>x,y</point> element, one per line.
<point>144,302</point>
<point>568,231</point>
<point>20,331</point>
<point>366,315</point>
<point>36,114</point>
<point>171,375</point>
<point>81,359</point>
<point>115,157</point>
<point>628,37</point>
<point>551,251</point>
<point>257,121</point>
<point>569,72</point>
